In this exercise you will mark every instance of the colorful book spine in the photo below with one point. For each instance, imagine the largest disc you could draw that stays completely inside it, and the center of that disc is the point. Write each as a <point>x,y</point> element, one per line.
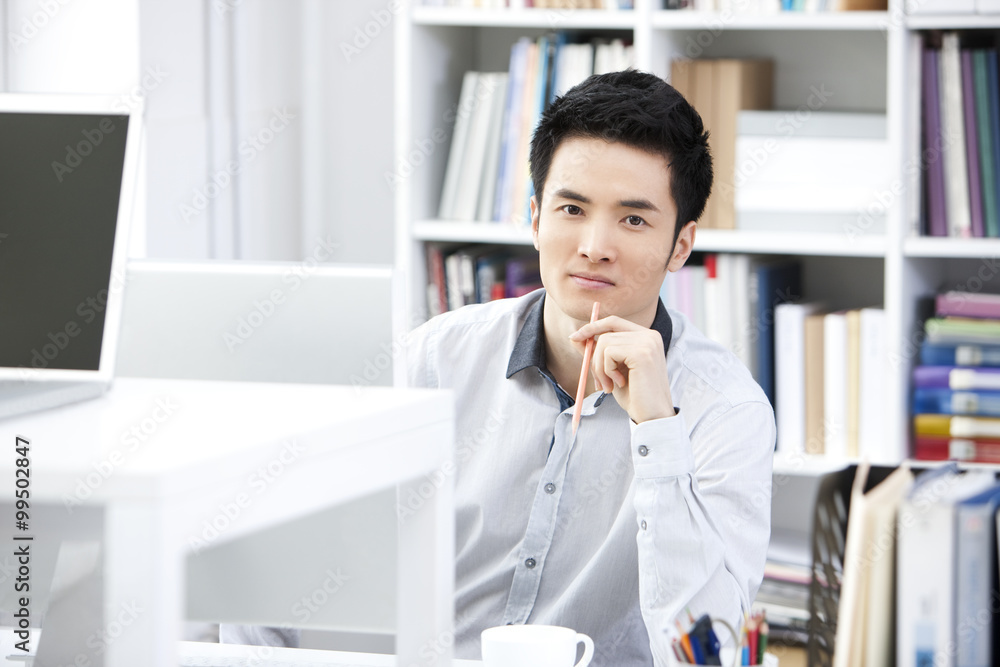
<point>955,377</point>
<point>939,400</point>
<point>932,354</point>
<point>993,91</point>
<point>937,215</point>
<point>957,426</point>
<point>968,304</point>
<point>945,448</point>
<point>987,171</point>
<point>972,145</point>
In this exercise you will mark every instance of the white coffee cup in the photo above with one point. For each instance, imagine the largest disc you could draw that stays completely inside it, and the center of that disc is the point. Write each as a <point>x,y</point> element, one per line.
<point>534,646</point>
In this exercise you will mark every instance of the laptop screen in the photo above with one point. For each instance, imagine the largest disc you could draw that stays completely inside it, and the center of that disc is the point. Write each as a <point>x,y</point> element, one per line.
<point>60,187</point>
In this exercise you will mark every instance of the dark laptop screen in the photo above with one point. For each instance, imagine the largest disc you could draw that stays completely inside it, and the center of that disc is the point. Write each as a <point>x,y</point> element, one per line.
<point>60,182</point>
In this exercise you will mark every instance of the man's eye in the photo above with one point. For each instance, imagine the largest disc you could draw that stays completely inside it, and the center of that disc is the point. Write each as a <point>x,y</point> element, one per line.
<point>572,209</point>
<point>635,221</point>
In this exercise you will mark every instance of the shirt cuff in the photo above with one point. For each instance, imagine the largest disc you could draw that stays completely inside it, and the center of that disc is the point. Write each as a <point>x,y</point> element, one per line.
<point>661,448</point>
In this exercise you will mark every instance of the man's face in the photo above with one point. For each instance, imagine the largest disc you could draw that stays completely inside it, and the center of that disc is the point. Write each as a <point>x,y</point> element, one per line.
<point>605,228</point>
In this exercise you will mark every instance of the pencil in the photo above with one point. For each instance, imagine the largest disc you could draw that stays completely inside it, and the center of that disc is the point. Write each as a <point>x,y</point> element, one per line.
<point>581,390</point>
<point>763,631</point>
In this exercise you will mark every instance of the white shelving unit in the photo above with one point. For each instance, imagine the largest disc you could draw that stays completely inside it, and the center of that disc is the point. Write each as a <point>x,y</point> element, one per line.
<point>868,60</point>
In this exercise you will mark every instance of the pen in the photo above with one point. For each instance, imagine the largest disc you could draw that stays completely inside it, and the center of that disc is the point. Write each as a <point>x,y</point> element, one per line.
<point>752,634</point>
<point>581,390</point>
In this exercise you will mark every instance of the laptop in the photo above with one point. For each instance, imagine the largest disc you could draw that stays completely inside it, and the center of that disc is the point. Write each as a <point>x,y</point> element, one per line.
<point>68,177</point>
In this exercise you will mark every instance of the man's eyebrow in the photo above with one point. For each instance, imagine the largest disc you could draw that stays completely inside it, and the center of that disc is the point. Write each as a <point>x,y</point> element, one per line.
<point>566,193</point>
<point>642,204</point>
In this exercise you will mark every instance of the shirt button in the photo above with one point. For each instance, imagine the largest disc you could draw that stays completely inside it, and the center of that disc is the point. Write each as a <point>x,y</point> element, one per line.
<point>550,488</point>
<point>643,450</point>
<point>530,563</point>
<point>643,524</point>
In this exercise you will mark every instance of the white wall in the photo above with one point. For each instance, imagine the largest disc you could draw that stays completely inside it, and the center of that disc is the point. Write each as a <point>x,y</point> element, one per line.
<point>263,86</point>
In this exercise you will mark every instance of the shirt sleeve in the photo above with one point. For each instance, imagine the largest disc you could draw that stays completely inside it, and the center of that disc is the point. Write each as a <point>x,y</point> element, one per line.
<point>703,528</point>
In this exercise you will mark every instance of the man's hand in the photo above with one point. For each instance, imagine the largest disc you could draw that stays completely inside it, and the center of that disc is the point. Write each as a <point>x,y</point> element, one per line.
<point>629,363</point>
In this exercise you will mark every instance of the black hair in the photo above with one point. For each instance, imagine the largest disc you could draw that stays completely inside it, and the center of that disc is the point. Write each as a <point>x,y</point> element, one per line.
<point>639,110</point>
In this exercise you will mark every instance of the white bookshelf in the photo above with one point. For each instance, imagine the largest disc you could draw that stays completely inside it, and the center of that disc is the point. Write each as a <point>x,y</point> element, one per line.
<point>869,59</point>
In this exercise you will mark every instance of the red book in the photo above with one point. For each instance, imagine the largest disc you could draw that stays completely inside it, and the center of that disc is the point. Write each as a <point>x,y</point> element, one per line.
<point>944,448</point>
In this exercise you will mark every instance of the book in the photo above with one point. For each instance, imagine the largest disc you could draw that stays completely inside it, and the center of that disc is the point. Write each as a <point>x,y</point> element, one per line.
<point>971,145</point>
<point>993,91</point>
<point>814,433</point>
<point>937,213</point>
<point>511,136</point>
<point>872,405</point>
<point>943,330</point>
<point>790,380</point>
<point>491,166</point>
<point>988,176</point>
<point>944,448</point>
<point>956,377</point>
<point>776,283</point>
<point>944,401</point>
<point>835,383</point>
<point>737,85</point>
<point>456,154</point>
<point>926,562</point>
<point>865,614</point>
<point>953,135</point>
<point>522,276</point>
<point>968,304</point>
<point>473,159</point>
<point>853,381</point>
<point>955,426</point>
<point>976,575</point>
<point>935,354</point>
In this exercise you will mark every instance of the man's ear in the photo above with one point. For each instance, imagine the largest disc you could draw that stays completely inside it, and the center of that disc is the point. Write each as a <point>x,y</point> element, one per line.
<point>535,212</point>
<point>683,247</point>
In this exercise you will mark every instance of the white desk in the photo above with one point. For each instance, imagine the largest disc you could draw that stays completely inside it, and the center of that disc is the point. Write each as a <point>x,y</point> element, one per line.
<point>202,443</point>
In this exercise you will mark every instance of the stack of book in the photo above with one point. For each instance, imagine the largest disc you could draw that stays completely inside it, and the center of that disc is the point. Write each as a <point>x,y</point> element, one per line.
<point>961,139</point>
<point>774,6</point>
<point>462,275</point>
<point>830,370</point>
<point>956,394</point>
<point>487,174</point>
<point>719,90</point>
<point>731,298</point>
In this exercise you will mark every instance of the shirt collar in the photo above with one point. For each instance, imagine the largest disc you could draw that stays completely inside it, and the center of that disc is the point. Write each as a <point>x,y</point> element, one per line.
<point>529,350</point>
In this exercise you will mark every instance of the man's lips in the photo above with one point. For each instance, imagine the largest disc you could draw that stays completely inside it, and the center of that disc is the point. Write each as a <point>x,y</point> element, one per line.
<point>591,281</point>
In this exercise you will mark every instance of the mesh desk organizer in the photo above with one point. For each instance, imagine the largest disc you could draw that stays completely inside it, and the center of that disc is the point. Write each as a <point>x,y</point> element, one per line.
<point>829,532</point>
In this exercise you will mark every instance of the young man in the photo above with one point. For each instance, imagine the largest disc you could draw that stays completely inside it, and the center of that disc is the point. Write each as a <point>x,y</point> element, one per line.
<point>661,501</point>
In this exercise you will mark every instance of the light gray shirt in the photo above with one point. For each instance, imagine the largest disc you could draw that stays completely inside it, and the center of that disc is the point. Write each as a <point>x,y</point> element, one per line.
<point>615,533</point>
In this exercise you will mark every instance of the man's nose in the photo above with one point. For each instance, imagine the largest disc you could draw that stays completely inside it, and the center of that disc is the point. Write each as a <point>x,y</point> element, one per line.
<point>597,241</point>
